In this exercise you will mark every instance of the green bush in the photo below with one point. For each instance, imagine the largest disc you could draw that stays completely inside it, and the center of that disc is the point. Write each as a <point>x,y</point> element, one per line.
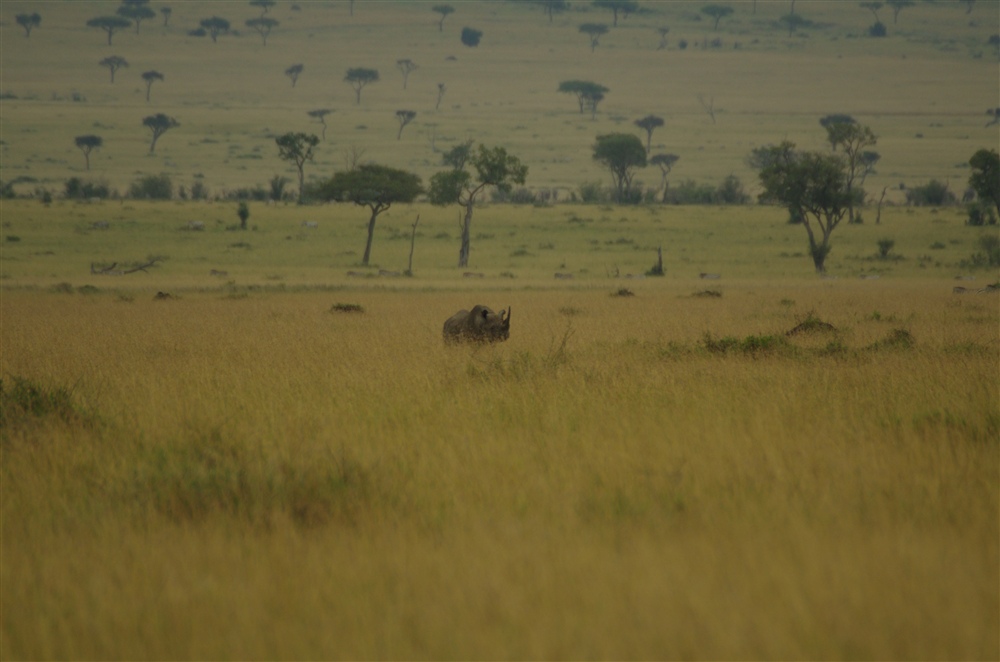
<point>931,194</point>
<point>77,189</point>
<point>152,187</point>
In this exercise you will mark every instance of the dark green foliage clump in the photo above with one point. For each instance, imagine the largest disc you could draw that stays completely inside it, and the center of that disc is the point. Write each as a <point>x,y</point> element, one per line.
<point>811,324</point>
<point>152,187</point>
<point>23,401</point>
<point>751,345</point>
<point>932,194</point>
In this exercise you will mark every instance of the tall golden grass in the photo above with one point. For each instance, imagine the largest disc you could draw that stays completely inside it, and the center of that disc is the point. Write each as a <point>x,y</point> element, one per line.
<point>654,476</point>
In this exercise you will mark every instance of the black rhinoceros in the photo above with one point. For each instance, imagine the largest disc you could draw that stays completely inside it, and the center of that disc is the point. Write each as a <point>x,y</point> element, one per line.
<point>478,325</point>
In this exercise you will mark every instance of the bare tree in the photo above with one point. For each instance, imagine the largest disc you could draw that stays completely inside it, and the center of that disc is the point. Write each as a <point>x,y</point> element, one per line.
<point>294,72</point>
<point>708,105</point>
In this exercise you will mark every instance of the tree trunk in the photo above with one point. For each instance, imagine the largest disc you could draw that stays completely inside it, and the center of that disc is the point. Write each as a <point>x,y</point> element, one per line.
<point>463,253</point>
<point>302,177</point>
<point>371,234</point>
<point>413,241</point>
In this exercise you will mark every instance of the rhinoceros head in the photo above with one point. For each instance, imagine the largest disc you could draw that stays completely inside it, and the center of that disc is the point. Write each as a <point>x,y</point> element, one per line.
<point>480,324</point>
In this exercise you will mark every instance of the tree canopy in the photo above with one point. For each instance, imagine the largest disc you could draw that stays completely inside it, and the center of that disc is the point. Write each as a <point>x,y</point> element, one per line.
<point>444,10</point>
<point>86,144</point>
<point>110,24</point>
<point>471,37</point>
<point>588,94</point>
<point>985,177</point>
<point>648,124</point>
<point>812,186</point>
<point>359,77</point>
<point>137,13</point>
<point>376,187</point>
<point>263,26</point>
<point>113,63</point>
<point>493,167</point>
<point>215,26</point>
<point>294,72</point>
<point>151,77</point>
<point>717,12</point>
<point>158,124</point>
<point>406,66</point>
<point>621,154</point>
<point>623,7</point>
<point>594,31</point>
<point>28,22</point>
<point>297,148</point>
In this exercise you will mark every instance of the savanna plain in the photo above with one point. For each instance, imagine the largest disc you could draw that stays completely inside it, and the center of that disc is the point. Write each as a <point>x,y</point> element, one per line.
<point>257,448</point>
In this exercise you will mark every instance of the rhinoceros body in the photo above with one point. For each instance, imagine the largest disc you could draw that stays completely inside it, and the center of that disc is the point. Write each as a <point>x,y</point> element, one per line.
<point>480,324</point>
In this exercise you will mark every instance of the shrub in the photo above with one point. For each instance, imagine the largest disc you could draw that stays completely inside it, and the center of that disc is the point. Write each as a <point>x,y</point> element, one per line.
<point>877,29</point>
<point>77,189</point>
<point>980,214</point>
<point>593,192</point>
<point>931,194</point>
<point>989,255</point>
<point>884,246</point>
<point>22,400</point>
<point>730,192</point>
<point>518,196</point>
<point>152,187</point>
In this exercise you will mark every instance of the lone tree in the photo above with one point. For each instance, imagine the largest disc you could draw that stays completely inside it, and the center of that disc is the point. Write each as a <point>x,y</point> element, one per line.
<point>985,177</point>
<point>113,63</point>
<point>588,94</point>
<point>873,7</point>
<point>263,26</point>
<point>137,12</point>
<point>158,124</point>
<point>376,187</point>
<point>898,6</point>
<point>594,31</point>
<point>29,22</point>
<point>852,139</point>
<point>166,11</point>
<point>553,7</point>
<point>621,154</point>
<point>442,88</point>
<point>264,5</point>
<point>360,77</point>
<point>86,144</point>
<point>444,10</point>
<point>404,117</point>
<point>150,77</point>
<point>492,166</point>
<point>717,12</point>
<point>320,114</point>
<point>297,148</point>
<point>294,72</point>
<point>110,24</point>
<point>666,164</point>
<point>794,22</point>
<point>623,7</point>
<point>471,37</point>
<point>812,186</point>
<point>648,124</point>
<point>215,26</point>
<point>405,67</point>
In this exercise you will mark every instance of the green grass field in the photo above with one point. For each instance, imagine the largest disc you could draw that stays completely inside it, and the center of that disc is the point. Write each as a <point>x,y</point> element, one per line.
<point>763,465</point>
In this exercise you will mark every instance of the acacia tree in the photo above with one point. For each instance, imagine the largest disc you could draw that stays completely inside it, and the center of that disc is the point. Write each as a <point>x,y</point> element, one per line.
<point>828,121</point>
<point>137,12</point>
<point>110,24</point>
<point>215,26</point>
<point>294,72</point>
<point>264,5</point>
<point>648,124</point>
<point>625,7</point>
<point>360,77</point>
<point>150,77</point>
<point>812,186</point>
<point>717,12</point>
<point>552,7</point>
<point>263,26</point>
<point>852,138</point>
<point>166,11</point>
<point>492,166</point>
<point>404,117</point>
<point>158,124</point>
<point>873,7</point>
<point>113,63</point>
<point>320,114</point>
<point>588,94</point>
<point>444,10</point>
<point>376,187</point>
<point>621,154</point>
<point>898,6</point>
<point>29,22</point>
<point>405,67</point>
<point>666,164</point>
<point>297,148</point>
<point>86,144</point>
<point>985,177</point>
<point>594,31</point>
